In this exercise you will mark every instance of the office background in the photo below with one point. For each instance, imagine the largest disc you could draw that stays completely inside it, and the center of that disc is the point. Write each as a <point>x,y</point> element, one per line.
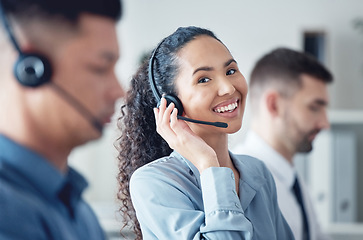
<point>250,29</point>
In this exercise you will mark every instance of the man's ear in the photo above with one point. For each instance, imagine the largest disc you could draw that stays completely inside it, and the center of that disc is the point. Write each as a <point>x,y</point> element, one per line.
<point>273,102</point>
<point>27,47</point>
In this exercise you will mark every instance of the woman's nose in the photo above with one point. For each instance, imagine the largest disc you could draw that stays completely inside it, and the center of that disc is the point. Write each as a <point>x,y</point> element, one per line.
<point>225,86</point>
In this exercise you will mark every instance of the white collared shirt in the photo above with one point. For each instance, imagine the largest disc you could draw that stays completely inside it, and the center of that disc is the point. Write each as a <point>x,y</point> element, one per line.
<point>284,175</point>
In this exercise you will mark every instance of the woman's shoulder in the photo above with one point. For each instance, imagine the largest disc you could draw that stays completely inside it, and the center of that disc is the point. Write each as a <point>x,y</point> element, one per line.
<point>167,163</point>
<point>166,175</point>
<point>163,169</point>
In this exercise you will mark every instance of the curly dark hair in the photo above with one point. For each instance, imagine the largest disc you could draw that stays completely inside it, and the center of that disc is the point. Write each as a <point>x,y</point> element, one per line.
<point>139,142</point>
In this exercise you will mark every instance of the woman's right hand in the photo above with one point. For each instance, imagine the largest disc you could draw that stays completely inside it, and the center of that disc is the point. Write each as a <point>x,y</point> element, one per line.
<point>181,138</point>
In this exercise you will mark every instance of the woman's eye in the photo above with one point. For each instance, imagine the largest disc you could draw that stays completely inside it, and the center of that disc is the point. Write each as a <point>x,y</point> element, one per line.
<point>231,71</point>
<point>203,80</point>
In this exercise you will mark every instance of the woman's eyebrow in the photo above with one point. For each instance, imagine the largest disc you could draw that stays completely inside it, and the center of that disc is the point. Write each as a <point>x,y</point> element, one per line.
<point>203,69</point>
<point>211,68</point>
<point>229,62</point>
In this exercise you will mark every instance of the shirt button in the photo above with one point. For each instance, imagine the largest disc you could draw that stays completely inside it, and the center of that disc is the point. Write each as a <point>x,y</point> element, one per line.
<point>237,205</point>
<point>232,176</point>
<point>234,192</point>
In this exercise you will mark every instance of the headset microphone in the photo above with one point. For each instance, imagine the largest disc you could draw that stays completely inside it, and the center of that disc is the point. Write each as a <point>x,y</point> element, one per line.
<point>174,99</point>
<point>33,70</point>
<point>77,105</point>
<point>216,124</point>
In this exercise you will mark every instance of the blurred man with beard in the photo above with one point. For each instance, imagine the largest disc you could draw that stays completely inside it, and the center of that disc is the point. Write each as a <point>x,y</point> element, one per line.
<point>289,97</point>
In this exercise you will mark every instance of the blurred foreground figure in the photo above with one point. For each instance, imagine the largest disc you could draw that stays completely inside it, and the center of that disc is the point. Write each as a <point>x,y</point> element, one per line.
<point>57,90</point>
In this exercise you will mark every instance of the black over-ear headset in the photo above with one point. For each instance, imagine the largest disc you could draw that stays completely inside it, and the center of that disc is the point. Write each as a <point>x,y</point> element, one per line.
<point>30,69</point>
<point>33,70</point>
<point>171,98</point>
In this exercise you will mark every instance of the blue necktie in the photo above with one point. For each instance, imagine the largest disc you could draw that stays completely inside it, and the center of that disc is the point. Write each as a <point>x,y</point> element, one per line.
<point>299,198</point>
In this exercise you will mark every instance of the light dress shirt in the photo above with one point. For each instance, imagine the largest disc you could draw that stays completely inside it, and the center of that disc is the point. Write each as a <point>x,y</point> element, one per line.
<point>284,174</point>
<point>174,201</point>
<point>38,202</point>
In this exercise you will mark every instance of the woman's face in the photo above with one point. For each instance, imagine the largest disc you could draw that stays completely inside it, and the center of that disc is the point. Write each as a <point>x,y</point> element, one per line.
<point>210,85</point>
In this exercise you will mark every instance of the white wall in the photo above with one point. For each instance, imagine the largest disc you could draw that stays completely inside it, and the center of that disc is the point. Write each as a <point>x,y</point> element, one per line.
<point>249,29</point>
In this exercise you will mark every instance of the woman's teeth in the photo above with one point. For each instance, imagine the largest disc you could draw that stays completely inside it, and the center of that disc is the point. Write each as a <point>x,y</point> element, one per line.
<point>228,108</point>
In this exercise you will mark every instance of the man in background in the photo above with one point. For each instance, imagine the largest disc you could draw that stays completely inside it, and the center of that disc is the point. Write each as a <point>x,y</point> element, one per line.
<point>57,91</point>
<point>289,98</point>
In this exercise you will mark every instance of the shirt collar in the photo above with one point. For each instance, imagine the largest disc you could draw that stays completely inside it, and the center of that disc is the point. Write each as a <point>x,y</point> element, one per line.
<point>251,178</point>
<point>277,164</point>
<point>36,170</point>
<point>248,174</point>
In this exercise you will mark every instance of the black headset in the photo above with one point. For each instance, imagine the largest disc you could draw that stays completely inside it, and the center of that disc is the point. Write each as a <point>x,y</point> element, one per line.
<point>171,98</point>
<point>30,69</point>
<point>33,70</point>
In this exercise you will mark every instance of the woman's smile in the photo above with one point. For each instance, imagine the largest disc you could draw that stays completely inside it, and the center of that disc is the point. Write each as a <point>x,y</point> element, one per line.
<point>227,109</point>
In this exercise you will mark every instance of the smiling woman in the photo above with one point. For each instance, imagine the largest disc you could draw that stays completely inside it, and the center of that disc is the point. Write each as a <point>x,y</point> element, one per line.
<point>177,178</point>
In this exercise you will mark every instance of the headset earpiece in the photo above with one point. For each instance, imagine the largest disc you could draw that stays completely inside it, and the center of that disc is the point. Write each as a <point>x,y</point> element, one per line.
<point>178,105</point>
<point>32,70</point>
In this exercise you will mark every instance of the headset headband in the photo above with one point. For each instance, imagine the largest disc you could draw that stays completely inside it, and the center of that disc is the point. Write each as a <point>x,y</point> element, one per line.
<point>151,73</point>
<point>8,29</point>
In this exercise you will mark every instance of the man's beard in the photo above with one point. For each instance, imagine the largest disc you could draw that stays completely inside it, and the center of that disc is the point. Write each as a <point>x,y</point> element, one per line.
<point>306,145</point>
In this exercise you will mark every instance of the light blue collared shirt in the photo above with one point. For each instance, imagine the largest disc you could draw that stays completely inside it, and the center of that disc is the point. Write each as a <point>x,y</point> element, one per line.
<point>38,202</point>
<point>173,201</point>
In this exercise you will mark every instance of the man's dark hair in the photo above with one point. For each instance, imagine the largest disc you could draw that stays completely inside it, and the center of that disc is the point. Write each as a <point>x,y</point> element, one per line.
<point>282,69</point>
<point>288,63</point>
<point>286,66</point>
<point>69,10</point>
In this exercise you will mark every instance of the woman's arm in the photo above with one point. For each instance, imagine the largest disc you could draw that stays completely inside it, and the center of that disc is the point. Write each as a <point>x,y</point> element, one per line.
<point>168,210</point>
